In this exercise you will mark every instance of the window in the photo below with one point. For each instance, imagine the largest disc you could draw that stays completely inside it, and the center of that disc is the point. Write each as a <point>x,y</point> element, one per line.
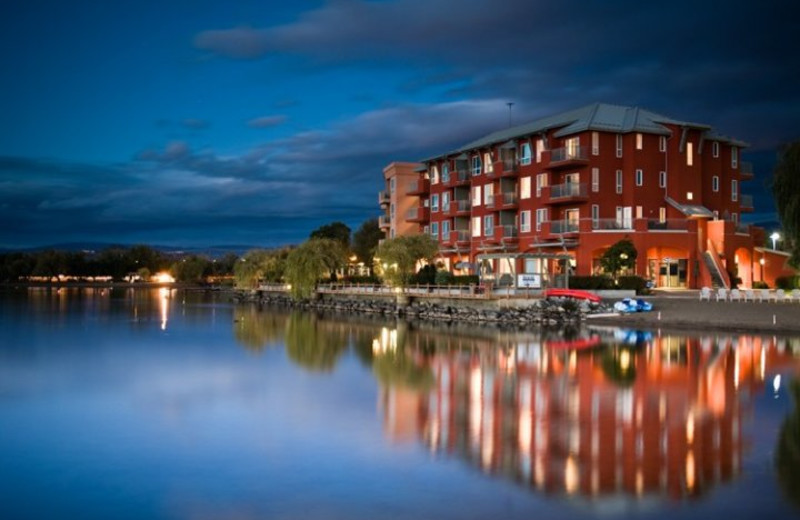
<point>525,154</point>
<point>662,143</point>
<point>619,181</point>
<point>541,182</point>
<point>662,214</point>
<point>445,230</point>
<point>734,157</point>
<point>476,195</point>
<point>573,145</point>
<point>539,149</point>
<point>435,229</point>
<point>662,179</point>
<point>488,195</point>
<point>689,195</point>
<point>434,175</point>
<point>446,201</point>
<point>595,143</point>
<point>488,163</point>
<point>639,212</point>
<point>525,187</point>
<point>541,216</point>
<point>476,226</point>
<point>734,190</point>
<point>435,202</point>
<point>639,178</point>
<point>619,145</point>
<point>715,149</point>
<point>445,173</point>
<point>525,221</point>
<point>735,218</point>
<point>639,140</point>
<point>595,216</point>
<point>488,225</point>
<point>715,183</point>
<point>476,165</point>
<point>595,179</point>
<point>689,154</point>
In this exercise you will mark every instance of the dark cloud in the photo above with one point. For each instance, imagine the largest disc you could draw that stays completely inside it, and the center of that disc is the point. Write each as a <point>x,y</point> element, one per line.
<point>266,121</point>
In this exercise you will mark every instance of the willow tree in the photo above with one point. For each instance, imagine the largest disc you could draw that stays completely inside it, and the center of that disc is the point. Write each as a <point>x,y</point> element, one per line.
<point>397,257</point>
<point>260,265</point>
<point>786,190</point>
<point>310,261</point>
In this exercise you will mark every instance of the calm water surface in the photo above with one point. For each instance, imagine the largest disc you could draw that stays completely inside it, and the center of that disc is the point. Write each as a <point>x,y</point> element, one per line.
<point>175,404</point>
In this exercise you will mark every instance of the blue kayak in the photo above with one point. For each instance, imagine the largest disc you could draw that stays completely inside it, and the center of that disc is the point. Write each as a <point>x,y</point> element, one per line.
<point>633,305</point>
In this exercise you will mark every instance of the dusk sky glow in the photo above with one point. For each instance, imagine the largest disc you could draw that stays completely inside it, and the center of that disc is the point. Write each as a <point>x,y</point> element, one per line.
<point>200,122</point>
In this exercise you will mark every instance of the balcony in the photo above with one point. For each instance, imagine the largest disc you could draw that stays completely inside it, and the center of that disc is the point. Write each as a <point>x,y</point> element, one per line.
<point>462,207</point>
<point>418,215</point>
<point>502,234</point>
<point>459,178</point>
<point>460,237</point>
<point>383,198</point>
<point>510,168</point>
<point>561,227</point>
<point>419,187</point>
<point>569,157</point>
<point>612,224</point>
<point>384,221</point>
<point>746,203</point>
<point>746,171</point>
<point>568,192</point>
<point>507,200</point>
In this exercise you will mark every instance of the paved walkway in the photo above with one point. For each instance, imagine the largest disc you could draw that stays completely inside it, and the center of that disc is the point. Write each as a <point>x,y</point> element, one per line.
<point>684,310</point>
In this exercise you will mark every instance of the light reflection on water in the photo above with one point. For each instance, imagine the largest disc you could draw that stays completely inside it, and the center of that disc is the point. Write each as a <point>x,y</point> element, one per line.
<point>253,412</point>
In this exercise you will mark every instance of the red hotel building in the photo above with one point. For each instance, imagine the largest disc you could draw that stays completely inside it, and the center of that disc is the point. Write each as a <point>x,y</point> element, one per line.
<point>517,200</point>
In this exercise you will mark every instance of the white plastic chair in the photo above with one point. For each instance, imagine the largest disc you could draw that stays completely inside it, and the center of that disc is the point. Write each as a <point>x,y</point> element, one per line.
<point>796,295</point>
<point>705,293</point>
<point>722,294</point>
<point>749,294</point>
<point>763,295</point>
<point>780,295</point>
<point>736,295</point>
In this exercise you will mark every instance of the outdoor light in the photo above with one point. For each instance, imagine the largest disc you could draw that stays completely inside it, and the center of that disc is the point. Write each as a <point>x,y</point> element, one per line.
<point>761,261</point>
<point>775,236</point>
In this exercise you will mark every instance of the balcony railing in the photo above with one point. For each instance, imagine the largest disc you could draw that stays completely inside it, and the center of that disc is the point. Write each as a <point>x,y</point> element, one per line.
<point>564,226</point>
<point>672,224</point>
<point>418,186</point>
<point>384,221</point>
<point>510,166</point>
<point>461,177</point>
<point>383,197</point>
<point>746,170</point>
<point>458,235</point>
<point>569,154</point>
<point>488,201</point>
<point>611,224</point>
<point>463,205</point>
<point>505,232</point>
<point>569,190</point>
<point>746,202</point>
<point>508,198</point>
<point>742,229</point>
<point>417,214</point>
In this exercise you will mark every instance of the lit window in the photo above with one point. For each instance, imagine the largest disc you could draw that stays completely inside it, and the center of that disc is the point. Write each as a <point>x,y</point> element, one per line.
<point>689,195</point>
<point>539,149</point>
<point>488,225</point>
<point>488,194</point>
<point>541,216</point>
<point>595,143</point>
<point>487,161</point>
<point>434,175</point>
<point>595,179</point>
<point>689,154</point>
<point>476,195</point>
<point>662,214</point>
<point>639,140</point>
<point>541,182</point>
<point>525,154</point>
<point>476,226</point>
<point>525,187</point>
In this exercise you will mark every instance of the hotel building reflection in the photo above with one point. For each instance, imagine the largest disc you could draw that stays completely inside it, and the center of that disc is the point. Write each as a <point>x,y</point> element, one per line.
<point>660,418</point>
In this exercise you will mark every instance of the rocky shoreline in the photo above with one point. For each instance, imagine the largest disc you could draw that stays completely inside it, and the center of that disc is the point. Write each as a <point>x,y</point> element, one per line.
<point>556,311</point>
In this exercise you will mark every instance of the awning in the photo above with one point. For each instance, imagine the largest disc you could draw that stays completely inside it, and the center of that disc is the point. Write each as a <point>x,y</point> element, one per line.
<point>690,210</point>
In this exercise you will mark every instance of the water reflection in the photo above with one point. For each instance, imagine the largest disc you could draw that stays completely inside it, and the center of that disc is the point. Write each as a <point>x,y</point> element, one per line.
<point>601,412</point>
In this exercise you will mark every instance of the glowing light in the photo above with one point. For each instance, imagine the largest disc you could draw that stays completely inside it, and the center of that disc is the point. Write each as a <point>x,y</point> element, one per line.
<point>163,277</point>
<point>690,471</point>
<point>776,384</point>
<point>163,303</point>
<point>690,429</point>
<point>571,477</point>
<point>624,360</point>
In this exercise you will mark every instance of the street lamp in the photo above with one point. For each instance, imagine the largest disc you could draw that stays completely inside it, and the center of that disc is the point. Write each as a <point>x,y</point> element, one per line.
<point>775,236</point>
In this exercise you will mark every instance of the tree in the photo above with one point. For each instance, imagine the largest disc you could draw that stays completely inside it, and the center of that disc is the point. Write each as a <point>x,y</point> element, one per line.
<point>338,231</point>
<point>397,257</point>
<point>366,239</point>
<point>310,261</point>
<point>619,257</point>
<point>192,269</point>
<point>260,265</point>
<point>786,190</point>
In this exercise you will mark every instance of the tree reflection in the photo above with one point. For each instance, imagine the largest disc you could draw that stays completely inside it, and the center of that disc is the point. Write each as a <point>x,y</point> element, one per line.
<point>618,365</point>
<point>254,329</point>
<point>314,344</point>
<point>787,453</point>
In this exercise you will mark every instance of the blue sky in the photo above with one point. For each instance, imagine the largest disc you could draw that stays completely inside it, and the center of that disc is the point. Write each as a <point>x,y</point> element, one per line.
<point>197,123</point>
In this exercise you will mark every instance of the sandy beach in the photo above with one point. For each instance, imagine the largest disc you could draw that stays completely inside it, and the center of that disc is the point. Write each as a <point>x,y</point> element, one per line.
<point>684,310</point>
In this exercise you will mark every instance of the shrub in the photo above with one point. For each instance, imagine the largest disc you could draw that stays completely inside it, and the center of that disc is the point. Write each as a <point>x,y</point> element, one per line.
<point>760,285</point>
<point>787,282</point>
<point>597,282</point>
<point>425,276</point>
<point>363,279</point>
<point>637,283</point>
<point>444,278</point>
<point>466,279</point>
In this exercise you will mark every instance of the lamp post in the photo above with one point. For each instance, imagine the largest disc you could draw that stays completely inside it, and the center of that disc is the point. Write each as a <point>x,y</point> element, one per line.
<point>775,236</point>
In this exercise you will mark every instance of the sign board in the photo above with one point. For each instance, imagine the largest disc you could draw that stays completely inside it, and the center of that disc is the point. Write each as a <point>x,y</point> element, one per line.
<point>530,281</point>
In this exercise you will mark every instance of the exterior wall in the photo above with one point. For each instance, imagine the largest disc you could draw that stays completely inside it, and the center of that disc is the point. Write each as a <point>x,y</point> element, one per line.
<point>586,212</point>
<point>396,202</point>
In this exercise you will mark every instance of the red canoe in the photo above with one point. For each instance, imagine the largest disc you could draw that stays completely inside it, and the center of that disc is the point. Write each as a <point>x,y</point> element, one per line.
<point>571,293</point>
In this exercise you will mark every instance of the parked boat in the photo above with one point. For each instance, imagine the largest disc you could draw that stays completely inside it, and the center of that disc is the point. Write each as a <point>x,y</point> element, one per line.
<point>571,293</point>
<point>633,305</point>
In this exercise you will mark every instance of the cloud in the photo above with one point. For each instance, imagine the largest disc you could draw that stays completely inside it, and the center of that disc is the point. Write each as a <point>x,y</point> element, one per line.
<point>266,121</point>
<point>238,42</point>
<point>195,124</point>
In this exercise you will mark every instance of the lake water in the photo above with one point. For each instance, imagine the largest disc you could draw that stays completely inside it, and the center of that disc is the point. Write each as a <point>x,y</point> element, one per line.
<point>176,404</point>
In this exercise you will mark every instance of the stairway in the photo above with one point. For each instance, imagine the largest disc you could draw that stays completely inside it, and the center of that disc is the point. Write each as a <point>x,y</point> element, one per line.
<point>717,279</point>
